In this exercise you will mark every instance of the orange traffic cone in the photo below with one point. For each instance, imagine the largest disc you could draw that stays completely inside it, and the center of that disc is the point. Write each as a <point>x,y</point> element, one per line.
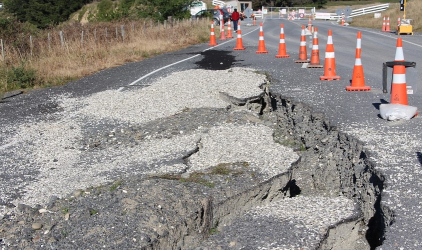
<point>383,24</point>
<point>222,35</point>
<point>310,25</point>
<point>254,21</point>
<point>358,79</point>
<point>282,45</point>
<point>239,41</point>
<point>229,30</point>
<point>398,86</point>
<point>387,26</point>
<point>303,55</point>
<point>315,52</point>
<point>261,44</point>
<point>398,25</point>
<point>212,36</point>
<point>330,60</point>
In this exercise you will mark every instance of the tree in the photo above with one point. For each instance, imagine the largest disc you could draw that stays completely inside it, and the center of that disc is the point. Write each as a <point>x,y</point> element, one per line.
<point>162,9</point>
<point>43,13</point>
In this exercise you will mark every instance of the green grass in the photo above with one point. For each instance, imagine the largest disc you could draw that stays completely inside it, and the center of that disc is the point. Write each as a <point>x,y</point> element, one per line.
<point>115,185</point>
<point>93,211</point>
<point>194,177</point>
<point>65,210</point>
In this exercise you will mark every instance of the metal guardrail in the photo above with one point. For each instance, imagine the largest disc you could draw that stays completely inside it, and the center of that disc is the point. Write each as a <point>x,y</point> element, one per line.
<point>218,3</point>
<point>359,12</point>
<point>275,12</point>
<point>369,10</point>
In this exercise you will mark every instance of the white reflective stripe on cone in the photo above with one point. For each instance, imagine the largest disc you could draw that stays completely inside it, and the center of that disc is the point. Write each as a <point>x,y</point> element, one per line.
<point>329,54</point>
<point>399,78</point>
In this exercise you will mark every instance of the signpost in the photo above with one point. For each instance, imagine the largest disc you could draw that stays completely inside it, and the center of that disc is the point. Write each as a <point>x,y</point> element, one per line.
<point>404,27</point>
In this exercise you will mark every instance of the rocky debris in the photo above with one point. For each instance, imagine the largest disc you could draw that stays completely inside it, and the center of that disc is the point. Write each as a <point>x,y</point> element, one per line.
<point>188,202</point>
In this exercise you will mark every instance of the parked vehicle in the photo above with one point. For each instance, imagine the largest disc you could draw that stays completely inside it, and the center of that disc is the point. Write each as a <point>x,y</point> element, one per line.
<point>214,15</point>
<point>197,6</point>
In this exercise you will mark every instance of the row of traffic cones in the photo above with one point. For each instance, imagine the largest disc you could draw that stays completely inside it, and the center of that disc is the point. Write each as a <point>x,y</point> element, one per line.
<point>213,40</point>
<point>398,88</point>
<point>386,25</point>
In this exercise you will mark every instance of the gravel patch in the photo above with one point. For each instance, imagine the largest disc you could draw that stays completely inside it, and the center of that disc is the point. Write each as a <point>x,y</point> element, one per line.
<point>303,220</point>
<point>50,158</point>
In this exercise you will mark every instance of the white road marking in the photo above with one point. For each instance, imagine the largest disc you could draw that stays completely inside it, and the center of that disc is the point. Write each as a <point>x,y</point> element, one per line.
<point>386,35</point>
<point>186,59</point>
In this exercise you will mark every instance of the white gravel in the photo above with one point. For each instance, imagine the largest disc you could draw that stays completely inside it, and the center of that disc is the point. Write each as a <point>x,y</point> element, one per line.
<point>53,147</point>
<point>194,88</point>
<point>311,214</point>
<point>244,143</point>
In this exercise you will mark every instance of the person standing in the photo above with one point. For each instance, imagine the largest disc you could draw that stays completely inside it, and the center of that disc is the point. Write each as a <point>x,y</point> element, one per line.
<point>235,18</point>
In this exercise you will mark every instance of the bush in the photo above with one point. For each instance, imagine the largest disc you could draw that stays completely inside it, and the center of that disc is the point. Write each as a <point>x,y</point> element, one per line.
<point>21,77</point>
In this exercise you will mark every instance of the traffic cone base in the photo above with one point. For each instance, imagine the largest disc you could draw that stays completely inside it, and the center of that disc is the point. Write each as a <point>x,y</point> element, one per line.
<point>239,41</point>
<point>229,30</point>
<point>303,56</point>
<point>315,66</point>
<point>222,31</point>
<point>398,85</point>
<point>282,56</point>
<point>261,43</point>
<point>351,88</point>
<point>330,63</point>
<point>212,36</point>
<point>282,45</point>
<point>358,79</point>
<point>315,62</point>
<point>329,78</point>
<point>387,26</point>
<point>302,61</point>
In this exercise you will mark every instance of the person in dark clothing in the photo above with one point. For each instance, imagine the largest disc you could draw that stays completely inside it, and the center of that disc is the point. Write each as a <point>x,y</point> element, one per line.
<point>235,19</point>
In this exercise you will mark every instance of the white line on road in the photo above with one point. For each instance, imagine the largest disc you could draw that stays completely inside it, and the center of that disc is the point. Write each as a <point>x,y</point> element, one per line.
<point>386,35</point>
<point>186,59</point>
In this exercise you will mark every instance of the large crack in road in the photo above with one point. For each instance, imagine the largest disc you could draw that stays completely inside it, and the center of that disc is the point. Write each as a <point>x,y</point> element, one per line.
<point>226,175</point>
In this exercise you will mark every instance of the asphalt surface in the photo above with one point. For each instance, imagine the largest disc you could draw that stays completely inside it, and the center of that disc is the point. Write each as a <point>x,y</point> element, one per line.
<point>396,145</point>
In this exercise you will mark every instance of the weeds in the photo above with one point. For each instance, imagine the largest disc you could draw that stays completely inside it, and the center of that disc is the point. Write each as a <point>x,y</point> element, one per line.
<point>115,185</point>
<point>194,177</point>
<point>65,210</point>
<point>93,211</point>
<point>214,230</point>
<point>53,59</point>
<point>21,77</point>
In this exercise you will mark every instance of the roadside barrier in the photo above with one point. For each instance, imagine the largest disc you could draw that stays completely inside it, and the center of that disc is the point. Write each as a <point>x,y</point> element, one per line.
<point>229,30</point>
<point>303,55</point>
<point>387,26</point>
<point>212,36</point>
<point>398,86</point>
<point>330,60</point>
<point>315,62</point>
<point>222,31</point>
<point>398,107</point>
<point>261,43</point>
<point>383,24</point>
<point>358,78</point>
<point>239,41</point>
<point>310,25</point>
<point>282,46</point>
